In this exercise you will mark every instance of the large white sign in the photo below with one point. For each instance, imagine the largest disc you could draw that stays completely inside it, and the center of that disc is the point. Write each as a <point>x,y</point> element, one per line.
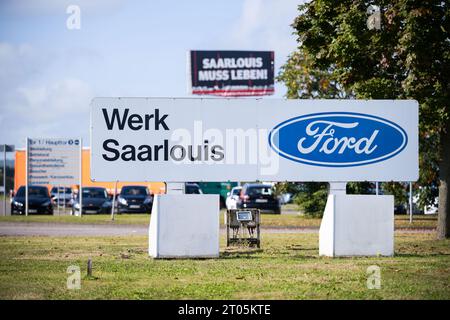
<point>175,140</point>
<point>54,161</point>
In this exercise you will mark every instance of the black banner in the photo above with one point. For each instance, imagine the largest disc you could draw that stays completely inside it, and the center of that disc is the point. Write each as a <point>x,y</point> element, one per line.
<point>232,73</point>
<point>218,309</point>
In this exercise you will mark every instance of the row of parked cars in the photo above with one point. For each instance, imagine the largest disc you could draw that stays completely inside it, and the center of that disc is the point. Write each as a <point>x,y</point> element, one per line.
<point>132,199</point>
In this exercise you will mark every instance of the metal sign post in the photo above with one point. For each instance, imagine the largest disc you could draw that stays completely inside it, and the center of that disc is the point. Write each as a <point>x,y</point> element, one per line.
<point>4,180</point>
<point>64,201</point>
<point>26,176</point>
<point>113,201</point>
<point>5,148</point>
<point>57,198</point>
<point>410,203</point>
<point>81,177</point>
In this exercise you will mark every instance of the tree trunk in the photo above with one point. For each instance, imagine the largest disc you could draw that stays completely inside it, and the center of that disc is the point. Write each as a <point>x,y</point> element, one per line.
<point>443,227</point>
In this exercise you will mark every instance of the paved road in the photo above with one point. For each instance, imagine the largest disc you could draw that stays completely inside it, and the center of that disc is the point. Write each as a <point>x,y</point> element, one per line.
<point>67,230</point>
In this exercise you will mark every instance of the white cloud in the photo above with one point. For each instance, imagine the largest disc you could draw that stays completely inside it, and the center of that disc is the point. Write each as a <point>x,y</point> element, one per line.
<point>266,25</point>
<point>33,105</point>
<point>250,21</point>
<point>57,109</point>
<point>60,99</point>
<point>17,62</point>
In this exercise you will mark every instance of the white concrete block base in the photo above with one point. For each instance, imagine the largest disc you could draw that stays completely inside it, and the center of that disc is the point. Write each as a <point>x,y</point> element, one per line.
<point>357,225</point>
<point>184,226</point>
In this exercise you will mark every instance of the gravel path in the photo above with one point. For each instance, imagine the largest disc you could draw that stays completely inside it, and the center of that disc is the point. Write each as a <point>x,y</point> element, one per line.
<point>88,230</point>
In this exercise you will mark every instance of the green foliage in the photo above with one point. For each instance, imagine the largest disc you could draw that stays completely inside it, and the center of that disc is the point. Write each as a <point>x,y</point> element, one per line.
<point>312,199</point>
<point>303,81</point>
<point>398,190</point>
<point>360,187</point>
<point>409,58</point>
<point>287,187</point>
<point>306,82</point>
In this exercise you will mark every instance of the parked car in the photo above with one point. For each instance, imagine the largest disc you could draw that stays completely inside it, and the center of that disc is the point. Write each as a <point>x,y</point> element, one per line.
<point>192,188</point>
<point>39,201</point>
<point>63,197</point>
<point>220,188</point>
<point>135,199</point>
<point>433,209</point>
<point>233,197</point>
<point>400,209</point>
<point>95,200</point>
<point>258,196</point>
<point>285,198</point>
<point>428,209</point>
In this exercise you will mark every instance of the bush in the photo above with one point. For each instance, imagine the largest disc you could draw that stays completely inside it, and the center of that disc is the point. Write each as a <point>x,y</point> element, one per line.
<point>312,199</point>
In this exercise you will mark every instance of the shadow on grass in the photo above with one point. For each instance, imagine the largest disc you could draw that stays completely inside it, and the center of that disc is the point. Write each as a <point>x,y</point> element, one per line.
<point>420,255</point>
<point>240,253</point>
<point>301,248</point>
<point>304,257</point>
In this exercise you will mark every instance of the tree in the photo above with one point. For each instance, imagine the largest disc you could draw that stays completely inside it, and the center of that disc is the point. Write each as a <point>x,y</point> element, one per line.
<point>397,190</point>
<point>312,199</point>
<point>360,187</point>
<point>408,58</point>
<point>303,81</point>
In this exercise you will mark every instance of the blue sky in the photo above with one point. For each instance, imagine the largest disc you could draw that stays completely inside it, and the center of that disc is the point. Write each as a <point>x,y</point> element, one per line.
<point>49,74</point>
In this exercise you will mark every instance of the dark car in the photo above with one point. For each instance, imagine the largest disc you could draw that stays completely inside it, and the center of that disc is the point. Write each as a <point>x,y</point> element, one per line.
<point>192,188</point>
<point>134,199</point>
<point>258,196</point>
<point>39,201</point>
<point>95,200</point>
<point>399,209</point>
<point>61,197</point>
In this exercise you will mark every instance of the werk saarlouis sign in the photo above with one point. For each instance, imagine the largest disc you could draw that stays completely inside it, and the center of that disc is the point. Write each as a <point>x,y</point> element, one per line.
<point>54,161</point>
<point>177,140</point>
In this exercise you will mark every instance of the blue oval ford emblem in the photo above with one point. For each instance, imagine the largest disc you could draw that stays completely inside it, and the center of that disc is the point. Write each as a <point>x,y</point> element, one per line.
<point>338,139</point>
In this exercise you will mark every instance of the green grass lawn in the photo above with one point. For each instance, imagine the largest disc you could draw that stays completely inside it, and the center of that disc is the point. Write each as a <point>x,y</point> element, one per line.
<point>287,267</point>
<point>268,220</point>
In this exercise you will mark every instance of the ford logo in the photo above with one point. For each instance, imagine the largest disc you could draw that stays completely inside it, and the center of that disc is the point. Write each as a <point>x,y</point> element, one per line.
<point>338,139</point>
